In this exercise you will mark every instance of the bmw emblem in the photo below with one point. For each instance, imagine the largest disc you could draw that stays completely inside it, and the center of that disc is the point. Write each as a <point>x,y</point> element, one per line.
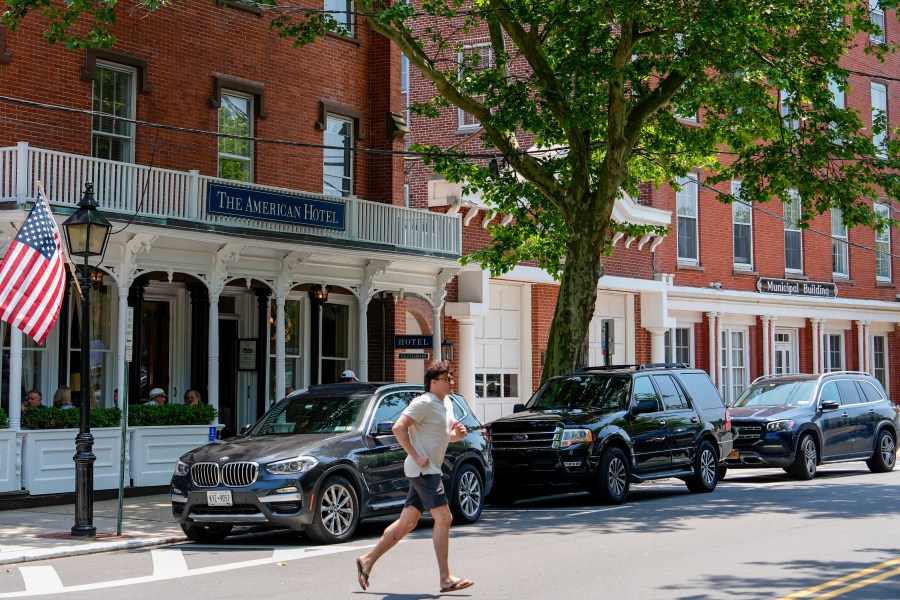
<point>520,437</point>
<point>224,458</point>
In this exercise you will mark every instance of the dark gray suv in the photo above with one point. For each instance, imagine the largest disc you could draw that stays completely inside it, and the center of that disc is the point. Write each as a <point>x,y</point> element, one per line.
<point>319,461</point>
<point>798,422</point>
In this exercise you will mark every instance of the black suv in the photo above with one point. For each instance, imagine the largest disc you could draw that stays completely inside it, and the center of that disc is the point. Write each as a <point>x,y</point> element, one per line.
<point>319,461</point>
<point>603,429</point>
<point>798,422</point>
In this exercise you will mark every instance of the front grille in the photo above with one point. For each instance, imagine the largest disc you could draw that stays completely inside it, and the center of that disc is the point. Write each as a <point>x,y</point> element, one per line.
<point>237,509</point>
<point>205,474</point>
<point>523,440</point>
<point>746,431</point>
<point>239,474</point>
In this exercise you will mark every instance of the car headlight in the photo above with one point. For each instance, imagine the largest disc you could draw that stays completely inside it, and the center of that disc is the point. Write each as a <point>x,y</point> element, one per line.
<point>182,468</point>
<point>569,437</point>
<point>300,464</point>
<point>783,425</point>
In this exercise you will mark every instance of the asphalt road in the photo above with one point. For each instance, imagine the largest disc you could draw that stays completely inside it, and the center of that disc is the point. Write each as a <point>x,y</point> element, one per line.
<point>759,535</point>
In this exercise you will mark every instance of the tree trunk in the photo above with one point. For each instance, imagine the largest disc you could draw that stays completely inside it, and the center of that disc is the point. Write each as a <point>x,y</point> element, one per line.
<point>575,304</point>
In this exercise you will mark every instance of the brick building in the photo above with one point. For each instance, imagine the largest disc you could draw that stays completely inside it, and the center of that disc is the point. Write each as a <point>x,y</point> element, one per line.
<point>828,302</point>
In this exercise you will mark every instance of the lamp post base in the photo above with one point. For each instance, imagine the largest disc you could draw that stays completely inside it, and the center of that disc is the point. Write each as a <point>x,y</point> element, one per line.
<point>84,486</point>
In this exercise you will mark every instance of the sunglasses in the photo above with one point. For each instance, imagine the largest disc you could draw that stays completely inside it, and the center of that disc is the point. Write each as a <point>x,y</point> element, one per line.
<point>448,378</point>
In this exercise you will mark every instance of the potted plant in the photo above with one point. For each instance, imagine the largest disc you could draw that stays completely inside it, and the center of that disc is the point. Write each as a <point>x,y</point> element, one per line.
<point>161,434</point>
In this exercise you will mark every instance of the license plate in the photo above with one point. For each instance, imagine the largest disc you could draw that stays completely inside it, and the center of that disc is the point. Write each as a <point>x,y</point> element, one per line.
<point>734,454</point>
<point>219,498</point>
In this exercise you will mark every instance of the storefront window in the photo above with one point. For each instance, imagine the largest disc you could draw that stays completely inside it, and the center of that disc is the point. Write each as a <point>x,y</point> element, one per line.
<point>32,367</point>
<point>101,360</point>
<point>293,361</point>
<point>335,334</point>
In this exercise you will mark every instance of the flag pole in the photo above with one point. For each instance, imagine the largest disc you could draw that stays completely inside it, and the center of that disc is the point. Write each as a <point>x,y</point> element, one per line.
<point>71,265</point>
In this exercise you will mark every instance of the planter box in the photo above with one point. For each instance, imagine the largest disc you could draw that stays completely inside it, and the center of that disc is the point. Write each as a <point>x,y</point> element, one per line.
<point>47,465</point>
<point>155,449</point>
<point>9,477</point>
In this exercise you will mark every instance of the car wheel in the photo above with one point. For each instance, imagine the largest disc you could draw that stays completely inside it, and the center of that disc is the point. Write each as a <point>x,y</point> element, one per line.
<point>885,454</point>
<point>467,495</point>
<point>804,466</point>
<point>720,474</point>
<point>206,534</point>
<point>336,512</point>
<point>611,484</point>
<point>705,474</point>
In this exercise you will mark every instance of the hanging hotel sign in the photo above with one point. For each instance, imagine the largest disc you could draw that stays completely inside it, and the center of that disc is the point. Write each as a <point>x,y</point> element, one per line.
<point>261,205</point>
<point>413,356</point>
<point>416,342</point>
<point>792,287</point>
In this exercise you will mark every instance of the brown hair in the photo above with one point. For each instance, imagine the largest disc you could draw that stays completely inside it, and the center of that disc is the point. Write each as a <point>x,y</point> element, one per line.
<point>435,370</point>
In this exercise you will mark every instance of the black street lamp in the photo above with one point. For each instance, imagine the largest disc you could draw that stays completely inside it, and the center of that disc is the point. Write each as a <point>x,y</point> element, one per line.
<point>87,233</point>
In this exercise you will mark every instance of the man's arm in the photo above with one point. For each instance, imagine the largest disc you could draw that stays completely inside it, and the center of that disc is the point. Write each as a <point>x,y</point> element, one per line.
<point>401,432</point>
<point>458,431</point>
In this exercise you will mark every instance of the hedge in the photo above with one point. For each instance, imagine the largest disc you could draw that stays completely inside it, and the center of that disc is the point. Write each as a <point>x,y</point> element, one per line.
<point>4,420</point>
<point>171,414</point>
<point>52,417</point>
<point>139,414</point>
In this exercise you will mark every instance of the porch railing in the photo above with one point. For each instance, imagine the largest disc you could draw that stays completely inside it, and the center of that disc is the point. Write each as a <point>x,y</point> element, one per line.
<point>126,189</point>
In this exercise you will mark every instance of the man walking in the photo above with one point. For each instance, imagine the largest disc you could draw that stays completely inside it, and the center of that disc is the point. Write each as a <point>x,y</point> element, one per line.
<point>424,430</point>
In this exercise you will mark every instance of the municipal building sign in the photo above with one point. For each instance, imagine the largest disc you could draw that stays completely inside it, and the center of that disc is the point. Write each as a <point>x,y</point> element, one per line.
<point>792,287</point>
<point>261,205</point>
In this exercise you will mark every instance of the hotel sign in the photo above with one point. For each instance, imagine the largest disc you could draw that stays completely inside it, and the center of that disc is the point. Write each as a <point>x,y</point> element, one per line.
<point>792,287</point>
<point>412,342</point>
<point>246,203</point>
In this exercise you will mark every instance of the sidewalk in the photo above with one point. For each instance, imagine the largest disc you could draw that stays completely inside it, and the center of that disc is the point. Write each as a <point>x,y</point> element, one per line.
<point>39,533</point>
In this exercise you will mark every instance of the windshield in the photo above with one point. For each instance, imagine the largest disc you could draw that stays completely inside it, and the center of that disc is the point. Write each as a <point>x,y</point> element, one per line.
<point>579,392</point>
<point>313,414</point>
<point>778,393</point>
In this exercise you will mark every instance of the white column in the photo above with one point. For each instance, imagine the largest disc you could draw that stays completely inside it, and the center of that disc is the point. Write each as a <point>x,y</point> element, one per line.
<point>121,384</point>
<point>721,317</point>
<point>814,325</point>
<point>212,384</point>
<point>280,383</point>
<point>657,344</point>
<point>766,348</point>
<point>15,379</point>
<point>772,320</point>
<point>362,366</point>
<point>436,334</point>
<point>466,360</point>
<point>861,344</point>
<point>869,350</point>
<point>713,372</point>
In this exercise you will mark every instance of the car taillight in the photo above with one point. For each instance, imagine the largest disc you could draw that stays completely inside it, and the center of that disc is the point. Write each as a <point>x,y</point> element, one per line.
<point>485,435</point>
<point>727,420</point>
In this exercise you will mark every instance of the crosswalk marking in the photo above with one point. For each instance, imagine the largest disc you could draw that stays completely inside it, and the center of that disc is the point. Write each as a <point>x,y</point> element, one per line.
<point>168,561</point>
<point>41,580</point>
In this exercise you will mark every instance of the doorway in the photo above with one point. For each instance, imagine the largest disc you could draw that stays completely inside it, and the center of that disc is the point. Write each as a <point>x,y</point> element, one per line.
<point>154,347</point>
<point>783,352</point>
<point>228,335</point>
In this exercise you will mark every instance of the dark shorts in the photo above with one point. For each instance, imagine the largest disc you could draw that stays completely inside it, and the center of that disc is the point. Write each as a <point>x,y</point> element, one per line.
<point>426,492</point>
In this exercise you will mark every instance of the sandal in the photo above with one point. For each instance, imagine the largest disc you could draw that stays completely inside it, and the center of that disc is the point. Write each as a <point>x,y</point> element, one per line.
<point>459,584</point>
<point>361,576</point>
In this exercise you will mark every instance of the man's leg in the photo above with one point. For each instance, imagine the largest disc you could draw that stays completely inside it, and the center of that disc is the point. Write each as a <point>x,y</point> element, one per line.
<point>395,532</point>
<point>440,536</point>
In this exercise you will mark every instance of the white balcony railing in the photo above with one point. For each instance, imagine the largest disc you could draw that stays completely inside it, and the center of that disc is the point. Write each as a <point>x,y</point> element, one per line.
<point>126,189</point>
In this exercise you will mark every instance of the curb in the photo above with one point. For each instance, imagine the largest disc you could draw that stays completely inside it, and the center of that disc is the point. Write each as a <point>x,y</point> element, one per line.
<point>19,556</point>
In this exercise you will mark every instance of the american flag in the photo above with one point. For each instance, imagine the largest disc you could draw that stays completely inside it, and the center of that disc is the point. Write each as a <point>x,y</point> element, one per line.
<point>32,277</point>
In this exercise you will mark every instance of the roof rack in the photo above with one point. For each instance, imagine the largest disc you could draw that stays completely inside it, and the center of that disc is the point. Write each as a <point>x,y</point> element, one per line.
<point>664,365</point>
<point>604,368</point>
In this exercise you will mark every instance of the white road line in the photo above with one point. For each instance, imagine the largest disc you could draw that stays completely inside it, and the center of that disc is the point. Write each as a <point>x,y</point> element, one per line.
<point>168,560</point>
<point>282,557</point>
<point>590,512</point>
<point>41,580</point>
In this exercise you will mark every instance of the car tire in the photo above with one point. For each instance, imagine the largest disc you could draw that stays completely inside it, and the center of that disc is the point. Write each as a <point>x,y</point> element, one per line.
<point>804,466</point>
<point>885,455</point>
<point>336,512</point>
<point>206,534</point>
<point>705,474</point>
<point>466,495</point>
<point>612,481</point>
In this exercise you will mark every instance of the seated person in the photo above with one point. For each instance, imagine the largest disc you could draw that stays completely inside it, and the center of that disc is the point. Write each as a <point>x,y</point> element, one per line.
<point>62,398</point>
<point>157,397</point>
<point>34,399</point>
<point>192,397</point>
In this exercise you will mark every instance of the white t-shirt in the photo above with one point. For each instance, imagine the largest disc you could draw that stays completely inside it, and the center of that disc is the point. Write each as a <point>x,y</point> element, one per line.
<point>430,435</point>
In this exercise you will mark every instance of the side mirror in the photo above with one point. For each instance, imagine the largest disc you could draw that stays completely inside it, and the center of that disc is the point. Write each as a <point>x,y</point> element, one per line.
<point>384,428</point>
<point>245,429</point>
<point>518,408</point>
<point>645,405</point>
<point>829,405</point>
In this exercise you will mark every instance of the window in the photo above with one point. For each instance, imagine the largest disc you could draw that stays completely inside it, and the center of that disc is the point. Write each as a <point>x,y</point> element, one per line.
<point>879,118</point>
<point>101,360</point>
<point>849,392</point>
<point>876,15</point>
<point>342,12</point>
<point>391,407</point>
<point>680,350</point>
<point>33,376</point>
<point>114,94</point>
<point>833,351</point>
<point>793,235</point>
<point>879,359</point>
<point>293,359</point>
<point>785,351</point>
<point>334,340</point>
<point>235,153</point>
<point>734,363</point>
<point>475,58</point>
<point>686,203</point>
<point>742,218</point>
<point>404,87</point>
<point>840,262</point>
<point>673,399</point>
<point>338,167</point>
<point>644,391</point>
<point>787,110</point>
<point>883,244</point>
